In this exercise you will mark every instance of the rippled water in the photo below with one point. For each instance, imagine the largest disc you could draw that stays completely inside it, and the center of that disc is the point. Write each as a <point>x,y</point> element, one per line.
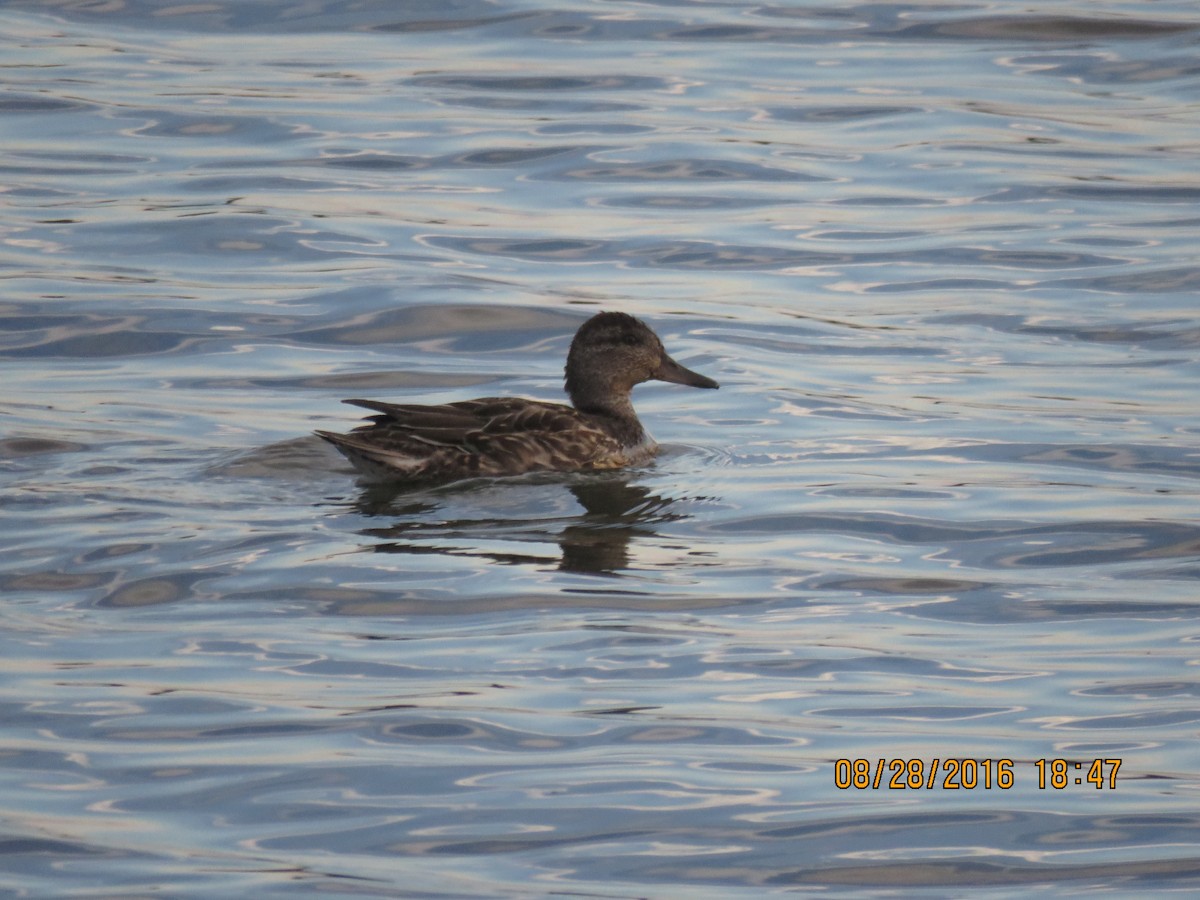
<point>941,259</point>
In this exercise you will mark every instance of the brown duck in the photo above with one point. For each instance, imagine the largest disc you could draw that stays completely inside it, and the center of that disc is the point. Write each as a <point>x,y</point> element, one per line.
<point>492,436</point>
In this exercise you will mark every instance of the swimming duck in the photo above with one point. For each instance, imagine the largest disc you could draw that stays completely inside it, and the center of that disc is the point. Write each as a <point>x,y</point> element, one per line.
<point>611,352</point>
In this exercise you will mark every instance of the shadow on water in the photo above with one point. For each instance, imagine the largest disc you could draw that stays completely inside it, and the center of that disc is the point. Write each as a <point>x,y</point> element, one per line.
<point>616,514</point>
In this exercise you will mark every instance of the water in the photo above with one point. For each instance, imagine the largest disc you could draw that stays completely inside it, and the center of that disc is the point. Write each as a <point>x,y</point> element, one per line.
<point>944,506</point>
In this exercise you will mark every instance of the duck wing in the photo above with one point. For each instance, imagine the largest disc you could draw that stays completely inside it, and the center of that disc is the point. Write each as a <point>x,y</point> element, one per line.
<point>489,436</point>
<point>467,420</point>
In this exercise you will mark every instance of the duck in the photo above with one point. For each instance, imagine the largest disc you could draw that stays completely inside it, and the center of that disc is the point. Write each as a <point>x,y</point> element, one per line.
<point>500,436</point>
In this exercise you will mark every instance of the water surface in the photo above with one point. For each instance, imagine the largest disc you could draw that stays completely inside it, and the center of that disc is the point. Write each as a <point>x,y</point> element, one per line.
<point>944,506</point>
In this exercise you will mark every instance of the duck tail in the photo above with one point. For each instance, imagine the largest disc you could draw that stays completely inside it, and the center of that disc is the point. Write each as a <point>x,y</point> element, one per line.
<point>374,461</point>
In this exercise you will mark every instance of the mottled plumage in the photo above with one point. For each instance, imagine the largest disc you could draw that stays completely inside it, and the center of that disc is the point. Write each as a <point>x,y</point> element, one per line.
<point>610,354</point>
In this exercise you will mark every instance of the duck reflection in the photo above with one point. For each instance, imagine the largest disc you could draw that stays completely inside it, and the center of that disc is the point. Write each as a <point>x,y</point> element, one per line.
<point>615,515</point>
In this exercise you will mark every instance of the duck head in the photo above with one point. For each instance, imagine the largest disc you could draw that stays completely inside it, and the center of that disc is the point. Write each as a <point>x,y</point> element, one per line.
<point>611,353</point>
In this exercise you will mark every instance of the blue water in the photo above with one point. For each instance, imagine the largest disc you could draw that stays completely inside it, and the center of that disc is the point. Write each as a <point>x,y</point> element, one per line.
<point>944,507</point>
